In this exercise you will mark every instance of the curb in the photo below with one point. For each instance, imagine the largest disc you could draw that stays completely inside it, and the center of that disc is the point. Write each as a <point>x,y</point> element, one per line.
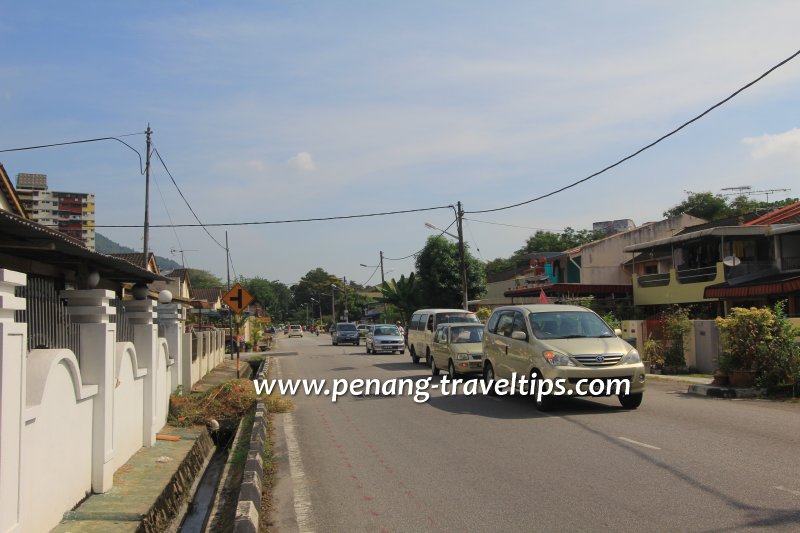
<point>716,391</point>
<point>248,506</point>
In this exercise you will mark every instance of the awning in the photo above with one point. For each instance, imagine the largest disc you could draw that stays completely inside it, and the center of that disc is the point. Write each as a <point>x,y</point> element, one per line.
<point>720,231</point>
<point>778,284</point>
<point>571,288</point>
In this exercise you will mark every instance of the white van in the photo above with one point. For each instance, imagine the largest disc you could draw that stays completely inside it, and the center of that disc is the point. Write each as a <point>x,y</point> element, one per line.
<point>422,325</point>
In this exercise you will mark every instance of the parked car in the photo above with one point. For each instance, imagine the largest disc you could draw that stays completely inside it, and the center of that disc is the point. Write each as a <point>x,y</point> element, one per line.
<point>345,333</point>
<point>424,322</point>
<point>457,348</point>
<point>384,338</point>
<point>560,342</point>
<point>295,331</point>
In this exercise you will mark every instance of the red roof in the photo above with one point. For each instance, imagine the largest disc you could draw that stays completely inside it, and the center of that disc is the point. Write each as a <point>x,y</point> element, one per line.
<point>779,284</point>
<point>777,216</point>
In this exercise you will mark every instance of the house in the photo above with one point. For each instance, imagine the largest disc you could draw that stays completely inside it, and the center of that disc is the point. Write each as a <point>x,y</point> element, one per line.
<point>138,259</point>
<point>597,269</point>
<point>745,261</point>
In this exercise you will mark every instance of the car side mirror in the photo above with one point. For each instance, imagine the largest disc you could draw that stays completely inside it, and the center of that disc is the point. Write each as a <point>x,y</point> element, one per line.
<point>618,332</point>
<point>519,335</point>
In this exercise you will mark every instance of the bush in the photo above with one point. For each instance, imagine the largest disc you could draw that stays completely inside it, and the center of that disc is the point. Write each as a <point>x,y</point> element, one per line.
<point>651,351</point>
<point>760,340</point>
<point>676,326</point>
<point>611,319</point>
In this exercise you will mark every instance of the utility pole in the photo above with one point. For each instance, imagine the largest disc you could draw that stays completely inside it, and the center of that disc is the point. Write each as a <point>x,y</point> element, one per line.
<point>383,282</point>
<point>230,311</point>
<point>346,318</point>
<point>147,133</point>
<point>461,258</point>
<point>333,303</point>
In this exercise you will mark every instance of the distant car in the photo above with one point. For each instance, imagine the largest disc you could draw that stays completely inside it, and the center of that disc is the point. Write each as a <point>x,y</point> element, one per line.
<point>458,349</point>
<point>286,329</point>
<point>345,333</point>
<point>295,331</point>
<point>385,338</point>
<point>363,329</point>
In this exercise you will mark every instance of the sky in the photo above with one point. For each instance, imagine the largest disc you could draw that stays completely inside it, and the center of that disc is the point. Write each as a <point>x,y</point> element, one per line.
<point>276,110</point>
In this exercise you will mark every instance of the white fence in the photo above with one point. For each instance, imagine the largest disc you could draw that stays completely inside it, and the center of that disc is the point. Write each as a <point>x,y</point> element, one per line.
<point>68,420</point>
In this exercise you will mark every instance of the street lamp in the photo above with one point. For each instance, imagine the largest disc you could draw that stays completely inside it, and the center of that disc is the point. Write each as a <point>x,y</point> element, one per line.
<point>461,259</point>
<point>320,309</point>
<point>306,306</point>
<point>333,302</point>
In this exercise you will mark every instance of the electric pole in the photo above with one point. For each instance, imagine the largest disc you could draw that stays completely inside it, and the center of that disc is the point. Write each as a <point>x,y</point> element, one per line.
<point>346,318</point>
<point>147,133</point>
<point>383,282</point>
<point>461,258</point>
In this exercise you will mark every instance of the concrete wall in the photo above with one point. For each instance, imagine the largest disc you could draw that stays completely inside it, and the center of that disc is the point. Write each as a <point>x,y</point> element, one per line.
<point>69,421</point>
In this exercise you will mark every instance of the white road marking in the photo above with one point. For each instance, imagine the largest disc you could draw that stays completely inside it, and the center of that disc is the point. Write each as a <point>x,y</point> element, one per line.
<point>790,491</point>
<point>302,501</point>
<point>642,444</point>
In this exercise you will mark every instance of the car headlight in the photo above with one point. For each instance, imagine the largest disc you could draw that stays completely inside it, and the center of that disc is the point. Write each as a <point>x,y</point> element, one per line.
<point>558,359</point>
<point>462,356</point>
<point>631,358</point>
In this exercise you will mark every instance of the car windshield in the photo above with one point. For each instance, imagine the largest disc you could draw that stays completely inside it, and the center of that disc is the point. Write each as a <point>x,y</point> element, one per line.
<point>346,327</point>
<point>449,318</point>
<point>568,325</point>
<point>463,334</point>
<point>386,330</point>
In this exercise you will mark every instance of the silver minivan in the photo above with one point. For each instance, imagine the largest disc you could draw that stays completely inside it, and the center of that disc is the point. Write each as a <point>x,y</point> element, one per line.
<point>564,344</point>
<point>424,322</point>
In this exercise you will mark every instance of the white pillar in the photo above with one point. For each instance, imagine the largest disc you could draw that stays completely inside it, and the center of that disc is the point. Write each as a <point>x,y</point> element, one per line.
<point>170,322</point>
<point>13,350</point>
<point>142,313</point>
<point>92,309</point>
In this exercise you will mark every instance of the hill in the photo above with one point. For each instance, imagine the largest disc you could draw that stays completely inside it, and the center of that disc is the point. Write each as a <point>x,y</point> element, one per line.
<point>104,245</point>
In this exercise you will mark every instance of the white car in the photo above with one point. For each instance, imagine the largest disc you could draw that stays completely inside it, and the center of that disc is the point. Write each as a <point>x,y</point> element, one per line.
<point>295,331</point>
<point>385,338</point>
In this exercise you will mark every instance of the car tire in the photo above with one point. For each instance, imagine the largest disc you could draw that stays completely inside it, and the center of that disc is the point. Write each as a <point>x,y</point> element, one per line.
<point>414,357</point>
<point>402,352</point>
<point>428,357</point>
<point>630,401</point>
<point>335,343</point>
<point>367,348</point>
<point>543,403</point>
<point>488,378</point>
<point>434,368</point>
<point>451,370</point>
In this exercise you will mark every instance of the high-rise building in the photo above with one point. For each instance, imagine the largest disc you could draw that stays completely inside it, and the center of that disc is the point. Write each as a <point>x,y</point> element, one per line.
<point>71,213</point>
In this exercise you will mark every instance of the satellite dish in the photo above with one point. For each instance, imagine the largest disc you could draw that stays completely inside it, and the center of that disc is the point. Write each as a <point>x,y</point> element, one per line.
<point>731,261</point>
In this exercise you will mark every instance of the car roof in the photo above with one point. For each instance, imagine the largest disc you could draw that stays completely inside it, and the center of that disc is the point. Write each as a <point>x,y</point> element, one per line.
<point>543,308</point>
<point>459,324</point>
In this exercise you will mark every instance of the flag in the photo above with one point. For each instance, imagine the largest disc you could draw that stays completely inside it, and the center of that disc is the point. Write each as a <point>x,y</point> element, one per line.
<point>543,297</point>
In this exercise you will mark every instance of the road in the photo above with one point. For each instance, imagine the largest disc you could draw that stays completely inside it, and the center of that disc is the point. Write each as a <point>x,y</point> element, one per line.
<point>478,463</point>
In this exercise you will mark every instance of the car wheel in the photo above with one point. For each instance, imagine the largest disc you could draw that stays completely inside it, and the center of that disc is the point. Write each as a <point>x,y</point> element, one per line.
<point>414,358</point>
<point>434,368</point>
<point>631,401</point>
<point>335,343</point>
<point>488,378</point>
<point>428,356</point>
<point>402,352</point>
<point>367,347</point>
<point>451,370</point>
<point>358,343</point>
<point>546,402</point>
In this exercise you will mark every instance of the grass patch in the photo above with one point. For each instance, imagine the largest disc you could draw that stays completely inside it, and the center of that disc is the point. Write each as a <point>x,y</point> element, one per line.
<point>238,455</point>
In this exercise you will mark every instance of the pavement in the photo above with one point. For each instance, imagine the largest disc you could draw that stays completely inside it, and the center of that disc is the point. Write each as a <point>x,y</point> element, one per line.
<point>703,387</point>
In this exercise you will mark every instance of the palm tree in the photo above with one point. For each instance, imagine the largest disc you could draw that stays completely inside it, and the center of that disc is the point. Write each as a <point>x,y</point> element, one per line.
<point>403,294</point>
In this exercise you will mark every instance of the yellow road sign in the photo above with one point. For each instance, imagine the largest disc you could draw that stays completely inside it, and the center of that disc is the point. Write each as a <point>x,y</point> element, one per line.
<point>237,298</point>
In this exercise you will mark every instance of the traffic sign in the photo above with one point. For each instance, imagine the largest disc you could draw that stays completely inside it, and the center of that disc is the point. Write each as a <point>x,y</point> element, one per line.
<point>237,298</point>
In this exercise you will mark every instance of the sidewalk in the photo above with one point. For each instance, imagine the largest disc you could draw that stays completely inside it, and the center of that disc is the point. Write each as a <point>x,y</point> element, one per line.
<point>150,488</point>
<point>703,387</point>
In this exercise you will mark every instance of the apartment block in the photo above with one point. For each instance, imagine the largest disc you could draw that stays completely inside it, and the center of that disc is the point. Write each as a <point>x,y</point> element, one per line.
<point>71,213</point>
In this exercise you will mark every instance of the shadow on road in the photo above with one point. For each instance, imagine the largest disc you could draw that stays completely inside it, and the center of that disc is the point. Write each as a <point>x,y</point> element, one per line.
<point>404,366</point>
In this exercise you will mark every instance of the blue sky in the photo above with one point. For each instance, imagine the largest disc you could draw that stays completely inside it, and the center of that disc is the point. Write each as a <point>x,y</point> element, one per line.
<point>283,110</point>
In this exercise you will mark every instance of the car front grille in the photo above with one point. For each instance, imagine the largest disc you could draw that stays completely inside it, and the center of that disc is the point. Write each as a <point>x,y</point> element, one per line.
<point>598,360</point>
<point>476,356</point>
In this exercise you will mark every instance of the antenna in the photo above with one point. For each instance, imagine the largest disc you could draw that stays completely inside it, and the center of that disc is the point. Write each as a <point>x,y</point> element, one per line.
<point>746,190</point>
<point>183,260</point>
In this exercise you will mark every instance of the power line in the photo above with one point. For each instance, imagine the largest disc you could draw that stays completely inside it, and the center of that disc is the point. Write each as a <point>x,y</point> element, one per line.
<point>289,221</point>
<point>169,216</point>
<point>420,250</point>
<point>639,151</point>
<point>371,276</point>
<point>158,154</point>
<point>469,228</point>
<point>508,225</point>
<point>117,138</point>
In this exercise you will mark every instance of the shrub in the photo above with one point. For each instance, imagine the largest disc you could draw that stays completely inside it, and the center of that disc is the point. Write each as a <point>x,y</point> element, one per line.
<point>676,326</point>
<point>651,351</point>
<point>760,340</point>
<point>611,319</point>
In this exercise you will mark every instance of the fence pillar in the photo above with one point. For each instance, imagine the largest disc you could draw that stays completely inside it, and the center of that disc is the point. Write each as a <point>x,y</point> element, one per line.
<point>13,350</point>
<point>142,313</point>
<point>170,324</point>
<point>91,310</point>
<point>187,362</point>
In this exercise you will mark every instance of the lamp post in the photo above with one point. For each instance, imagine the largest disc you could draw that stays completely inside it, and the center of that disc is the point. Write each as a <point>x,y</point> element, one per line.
<point>461,260</point>
<point>346,317</point>
<point>320,309</point>
<point>306,306</point>
<point>333,302</point>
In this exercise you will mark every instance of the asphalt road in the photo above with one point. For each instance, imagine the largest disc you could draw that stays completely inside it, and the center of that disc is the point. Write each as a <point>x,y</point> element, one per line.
<point>477,463</point>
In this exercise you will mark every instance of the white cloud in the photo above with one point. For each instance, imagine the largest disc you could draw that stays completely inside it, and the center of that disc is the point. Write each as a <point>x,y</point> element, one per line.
<point>303,161</point>
<point>787,143</point>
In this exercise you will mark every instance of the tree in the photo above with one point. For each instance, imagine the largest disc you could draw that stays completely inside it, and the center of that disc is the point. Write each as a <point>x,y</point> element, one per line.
<point>439,274</point>
<point>705,205</point>
<point>548,241</point>
<point>403,294</point>
<point>499,265</point>
<point>203,279</point>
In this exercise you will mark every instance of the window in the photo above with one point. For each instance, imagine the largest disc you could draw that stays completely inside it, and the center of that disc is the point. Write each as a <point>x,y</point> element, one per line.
<point>429,327</point>
<point>505,323</point>
<point>518,323</point>
<point>493,322</point>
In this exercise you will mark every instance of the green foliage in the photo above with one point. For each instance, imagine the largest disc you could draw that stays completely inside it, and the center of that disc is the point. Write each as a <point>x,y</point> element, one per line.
<point>500,264</point>
<point>548,241</point>
<point>676,326</point>
<point>612,321</point>
<point>483,314</point>
<point>439,274</point>
<point>403,294</point>
<point>652,352</point>
<point>761,340</point>
<point>203,279</point>
<point>710,206</point>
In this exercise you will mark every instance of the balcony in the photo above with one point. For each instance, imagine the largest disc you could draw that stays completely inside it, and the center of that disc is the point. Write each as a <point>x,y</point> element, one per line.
<point>676,287</point>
